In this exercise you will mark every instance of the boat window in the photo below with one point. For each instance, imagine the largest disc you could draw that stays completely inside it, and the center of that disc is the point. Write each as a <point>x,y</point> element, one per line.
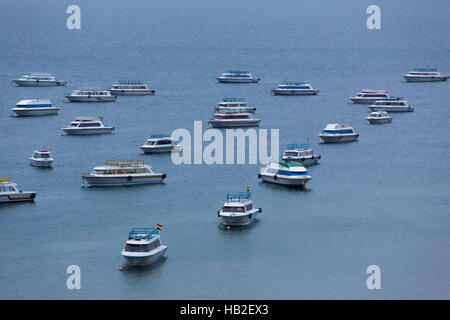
<point>291,154</point>
<point>35,155</point>
<point>45,156</point>
<point>249,207</point>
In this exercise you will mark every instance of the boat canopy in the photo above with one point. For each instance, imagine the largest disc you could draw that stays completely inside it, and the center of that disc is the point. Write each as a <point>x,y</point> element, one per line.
<point>131,82</point>
<point>142,233</point>
<point>293,146</point>
<point>124,163</point>
<point>233,100</point>
<point>294,83</point>
<point>242,196</point>
<point>159,136</point>
<point>425,69</point>
<point>237,71</point>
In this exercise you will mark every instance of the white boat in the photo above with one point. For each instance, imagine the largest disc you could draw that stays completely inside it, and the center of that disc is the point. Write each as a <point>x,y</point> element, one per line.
<point>83,125</point>
<point>291,174</point>
<point>334,133</point>
<point>39,80</point>
<point>302,153</point>
<point>392,105</point>
<point>368,96</point>
<point>122,172</point>
<point>41,158</point>
<point>130,88</point>
<point>238,210</point>
<point>233,119</point>
<point>424,75</point>
<point>234,105</point>
<point>91,95</point>
<point>237,76</point>
<point>143,247</point>
<point>379,117</point>
<point>159,143</point>
<point>9,192</point>
<point>294,88</point>
<point>35,107</point>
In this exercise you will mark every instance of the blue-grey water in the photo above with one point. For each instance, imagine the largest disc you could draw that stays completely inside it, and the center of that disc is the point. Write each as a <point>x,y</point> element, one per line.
<point>383,200</point>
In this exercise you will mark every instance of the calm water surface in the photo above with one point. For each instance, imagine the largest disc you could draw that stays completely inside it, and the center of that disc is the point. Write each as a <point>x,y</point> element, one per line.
<point>383,200</point>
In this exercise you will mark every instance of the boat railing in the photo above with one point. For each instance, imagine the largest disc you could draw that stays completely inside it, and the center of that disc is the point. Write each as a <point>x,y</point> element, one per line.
<point>233,100</point>
<point>131,82</point>
<point>293,146</point>
<point>158,136</point>
<point>4,179</point>
<point>124,163</point>
<point>237,72</point>
<point>239,197</point>
<point>142,233</point>
<point>425,69</point>
<point>293,83</point>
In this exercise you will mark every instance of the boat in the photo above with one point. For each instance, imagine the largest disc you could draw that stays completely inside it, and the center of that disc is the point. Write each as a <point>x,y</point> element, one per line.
<point>84,125</point>
<point>122,172</point>
<point>238,210</point>
<point>294,88</point>
<point>379,117</point>
<point>143,247</point>
<point>35,107</point>
<point>237,76</point>
<point>41,158</point>
<point>9,192</point>
<point>285,173</point>
<point>302,153</point>
<point>334,133</point>
<point>234,105</point>
<point>130,88</point>
<point>233,119</point>
<point>424,75</point>
<point>368,96</point>
<point>91,95</point>
<point>392,105</point>
<point>160,143</point>
<point>39,80</point>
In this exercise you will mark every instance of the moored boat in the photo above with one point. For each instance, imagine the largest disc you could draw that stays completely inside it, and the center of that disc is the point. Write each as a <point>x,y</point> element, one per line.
<point>392,105</point>
<point>294,88</point>
<point>234,105</point>
<point>41,158</point>
<point>238,210</point>
<point>237,76</point>
<point>334,133</point>
<point>368,96</point>
<point>233,119</point>
<point>143,247</point>
<point>91,95</point>
<point>9,192</point>
<point>90,125</point>
<point>122,172</point>
<point>159,143</point>
<point>379,117</point>
<point>39,80</point>
<point>302,153</point>
<point>424,75</point>
<point>130,88</point>
<point>291,174</point>
<point>35,107</point>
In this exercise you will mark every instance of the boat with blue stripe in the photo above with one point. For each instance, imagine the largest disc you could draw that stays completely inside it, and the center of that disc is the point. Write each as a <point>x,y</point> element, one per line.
<point>237,76</point>
<point>35,107</point>
<point>302,153</point>
<point>334,133</point>
<point>285,173</point>
<point>294,88</point>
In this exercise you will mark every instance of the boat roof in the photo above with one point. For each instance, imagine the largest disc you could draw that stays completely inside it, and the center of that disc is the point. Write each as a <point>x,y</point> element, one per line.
<point>240,197</point>
<point>160,136</point>
<point>142,233</point>
<point>42,151</point>
<point>379,112</point>
<point>87,119</point>
<point>39,74</point>
<point>334,126</point>
<point>291,166</point>
<point>5,180</point>
<point>233,100</point>
<point>130,82</point>
<point>425,69</point>
<point>373,91</point>
<point>90,89</point>
<point>294,83</point>
<point>237,71</point>
<point>293,146</point>
<point>123,163</point>
<point>30,101</point>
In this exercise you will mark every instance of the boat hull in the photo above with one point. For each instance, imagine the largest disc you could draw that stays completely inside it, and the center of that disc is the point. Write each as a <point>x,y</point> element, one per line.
<point>236,109</point>
<point>40,83</point>
<point>298,181</point>
<point>239,220</point>
<point>379,121</point>
<point>339,138</point>
<point>77,131</point>
<point>235,124</point>
<point>21,112</point>
<point>123,180</point>
<point>144,260</point>
<point>227,80</point>
<point>157,150</point>
<point>365,100</point>
<point>41,163</point>
<point>17,197</point>
<point>306,161</point>
<point>424,79</point>
<point>278,92</point>
<point>91,99</point>
<point>118,92</point>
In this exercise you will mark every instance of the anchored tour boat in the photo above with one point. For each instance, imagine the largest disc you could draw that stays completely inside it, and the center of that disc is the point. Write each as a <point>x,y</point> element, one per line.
<point>424,75</point>
<point>41,158</point>
<point>233,119</point>
<point>234,105</point>
<point>334,133</point>
<point>39,80</point>
<point>237,76</point>
<point>143,246</point>
<point>238,210</point>
<point>292,174</point>
<point>160,143</point>
<point>302,153</point>
<point>83,125</point>
<point>9,192</point>
<point>368,96</point>
<point>293,88</point>
<point>122,172</point>
<point>379,117</point>
<point>392,105</point>
<point>91,95</point>
<point>35,107</point>
<point>130,88</point>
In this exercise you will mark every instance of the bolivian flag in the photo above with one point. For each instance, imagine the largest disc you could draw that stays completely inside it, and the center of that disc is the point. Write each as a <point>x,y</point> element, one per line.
<point>247,189</point>
<point>159,226</point>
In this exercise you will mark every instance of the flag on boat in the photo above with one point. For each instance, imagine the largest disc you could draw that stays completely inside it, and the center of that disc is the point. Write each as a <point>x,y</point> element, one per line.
<point>247,189</point>
<point>159,226</point>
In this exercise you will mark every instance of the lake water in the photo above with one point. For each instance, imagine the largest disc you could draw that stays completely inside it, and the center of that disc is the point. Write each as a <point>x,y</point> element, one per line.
<point>383,200</point>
